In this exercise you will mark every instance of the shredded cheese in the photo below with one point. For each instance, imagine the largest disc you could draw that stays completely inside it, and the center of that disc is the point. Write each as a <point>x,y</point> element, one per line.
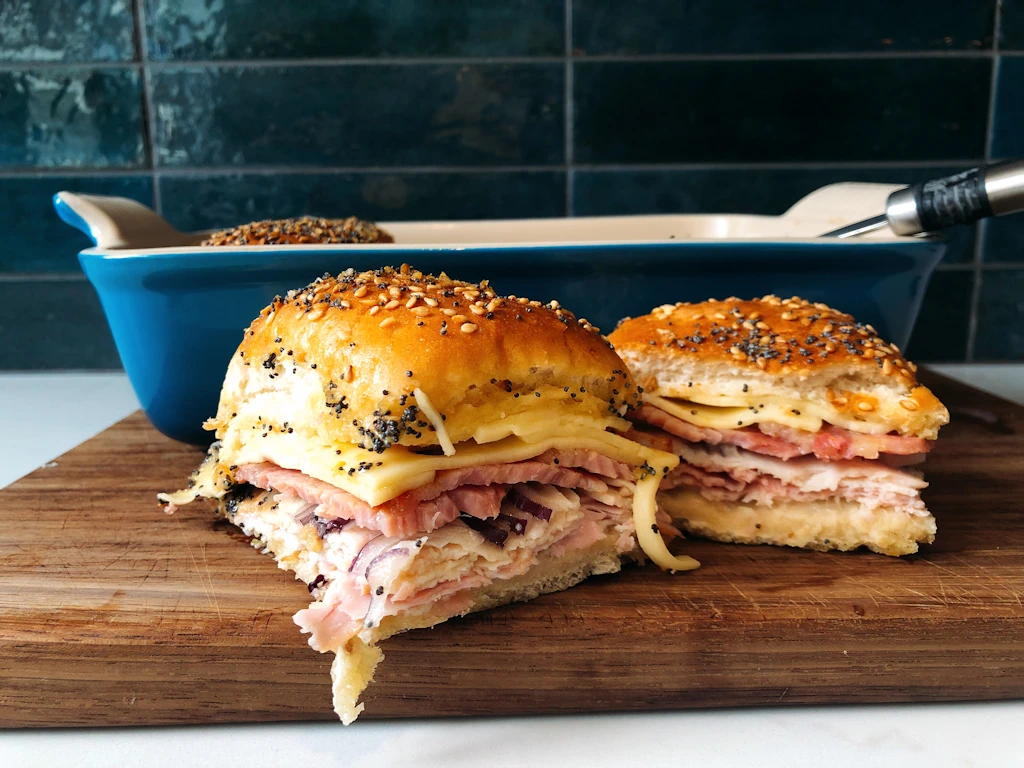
<point>434,418</point>
<point>644,511</point>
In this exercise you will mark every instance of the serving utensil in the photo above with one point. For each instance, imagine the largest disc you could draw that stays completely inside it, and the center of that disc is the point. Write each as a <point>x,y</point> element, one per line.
<point>964,198</point>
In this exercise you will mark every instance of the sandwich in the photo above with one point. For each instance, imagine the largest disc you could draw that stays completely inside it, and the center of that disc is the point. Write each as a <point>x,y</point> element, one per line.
<point>304,230</point>
<point>414,448</point>
<point>794,424</point>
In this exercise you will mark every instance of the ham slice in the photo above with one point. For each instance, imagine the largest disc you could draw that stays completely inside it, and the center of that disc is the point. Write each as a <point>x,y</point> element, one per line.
<point>727,473</point>
<point>831,443</point>
<point>476,491</point>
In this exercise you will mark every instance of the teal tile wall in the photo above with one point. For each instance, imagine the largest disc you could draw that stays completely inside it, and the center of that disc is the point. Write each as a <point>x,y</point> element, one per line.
<point>217,113</point>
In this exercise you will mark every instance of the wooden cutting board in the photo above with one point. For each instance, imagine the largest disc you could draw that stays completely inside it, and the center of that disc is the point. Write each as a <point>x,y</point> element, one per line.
<point>113,613</point>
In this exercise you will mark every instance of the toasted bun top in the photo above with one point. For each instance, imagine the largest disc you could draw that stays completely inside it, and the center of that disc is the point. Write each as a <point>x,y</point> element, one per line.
<point>301,231</point>
<point>781,347</point>
<point>347,356</point>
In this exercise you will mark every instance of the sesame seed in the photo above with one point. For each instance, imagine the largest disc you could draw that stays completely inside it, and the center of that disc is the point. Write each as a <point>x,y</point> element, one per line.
<point>467,327</point>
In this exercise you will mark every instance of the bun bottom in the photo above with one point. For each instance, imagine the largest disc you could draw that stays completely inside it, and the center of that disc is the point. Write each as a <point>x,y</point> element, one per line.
<point>818,525</point>
<point>353,667</point>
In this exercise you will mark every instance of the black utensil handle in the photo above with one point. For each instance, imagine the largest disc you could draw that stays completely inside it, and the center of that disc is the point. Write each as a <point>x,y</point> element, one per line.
<point>957,199</point>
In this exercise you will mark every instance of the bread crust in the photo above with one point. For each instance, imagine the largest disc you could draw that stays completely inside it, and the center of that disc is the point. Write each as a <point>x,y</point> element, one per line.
<point>365,344</point>
<point>772,346</point>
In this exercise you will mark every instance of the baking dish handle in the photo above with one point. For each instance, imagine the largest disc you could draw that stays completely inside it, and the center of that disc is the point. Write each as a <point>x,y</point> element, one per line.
<point>116,222</point>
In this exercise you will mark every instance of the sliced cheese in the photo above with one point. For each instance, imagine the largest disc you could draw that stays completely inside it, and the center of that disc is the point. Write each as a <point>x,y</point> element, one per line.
<point>377,478</point>
<point>730,412</point>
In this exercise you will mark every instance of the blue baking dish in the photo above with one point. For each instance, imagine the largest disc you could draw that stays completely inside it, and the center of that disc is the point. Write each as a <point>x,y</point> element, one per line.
<point>177,310</point>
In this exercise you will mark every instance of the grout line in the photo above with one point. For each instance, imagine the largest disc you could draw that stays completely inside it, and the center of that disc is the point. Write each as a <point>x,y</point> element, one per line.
<point>979,239</point>
<point>793,56</point>
<point>334,169</point>
<point>372,61</point>
<point>354,61</point>
<point>780,166</point>
<point>569,118</point>
<point>44,173</point>
<point>29,172</point>
<point>149,127</point>
<point>42,277</point>
<point>29,66</point>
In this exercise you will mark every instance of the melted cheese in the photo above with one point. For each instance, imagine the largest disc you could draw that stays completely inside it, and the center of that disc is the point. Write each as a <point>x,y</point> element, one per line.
<point>645,508</point>
<point>731,412</point>
<point>377,478</point>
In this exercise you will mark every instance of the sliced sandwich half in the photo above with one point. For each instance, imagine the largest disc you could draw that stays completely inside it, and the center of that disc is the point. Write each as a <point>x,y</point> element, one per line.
<point>415,448</point>
<point>794,424</point>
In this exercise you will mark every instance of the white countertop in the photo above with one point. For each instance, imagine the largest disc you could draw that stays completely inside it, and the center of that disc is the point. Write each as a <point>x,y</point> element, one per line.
<point>982,734</point>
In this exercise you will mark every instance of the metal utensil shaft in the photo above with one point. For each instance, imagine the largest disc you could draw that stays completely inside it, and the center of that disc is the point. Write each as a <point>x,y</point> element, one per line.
<point>995,190</point>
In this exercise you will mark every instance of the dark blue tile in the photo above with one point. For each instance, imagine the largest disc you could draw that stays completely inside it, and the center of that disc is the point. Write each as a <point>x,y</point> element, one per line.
<point>1004,240</point>
<point>753,26</point>
<point>781,110</point>
<point>1008,128</point>
<point>34,239</point>
<point>768,191</point>
<point>940,334</point>
<point>208,202</point>
<point>1000,334</point>
<point>54,324</point>
<point>66,30</point>
<point>275,29</point>
<point>360,115</point>
<point>71,118</point>
<point>1011,26</point>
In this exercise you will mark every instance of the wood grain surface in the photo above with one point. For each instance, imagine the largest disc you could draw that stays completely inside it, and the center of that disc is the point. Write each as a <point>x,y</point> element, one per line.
<point>113,613</point>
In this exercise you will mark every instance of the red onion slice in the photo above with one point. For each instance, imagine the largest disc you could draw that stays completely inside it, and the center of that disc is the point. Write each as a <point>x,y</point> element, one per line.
<point>373,547</point>
<point>325,526</point>
<point>528,505</point>
<point>516,525</point>
<point>305,515</point>
<point>381,574</point>
<point>490,530</point>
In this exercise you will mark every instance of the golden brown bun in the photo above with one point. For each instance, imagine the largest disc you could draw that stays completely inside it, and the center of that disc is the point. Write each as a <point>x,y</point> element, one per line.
<point>301,231</point>
<point>820,525</point>
<point>776,347</point>
<point>344,356</point>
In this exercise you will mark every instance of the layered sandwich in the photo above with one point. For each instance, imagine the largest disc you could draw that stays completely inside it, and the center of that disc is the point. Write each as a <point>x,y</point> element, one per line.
<point>414,448</point>
<point>794,424</point>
